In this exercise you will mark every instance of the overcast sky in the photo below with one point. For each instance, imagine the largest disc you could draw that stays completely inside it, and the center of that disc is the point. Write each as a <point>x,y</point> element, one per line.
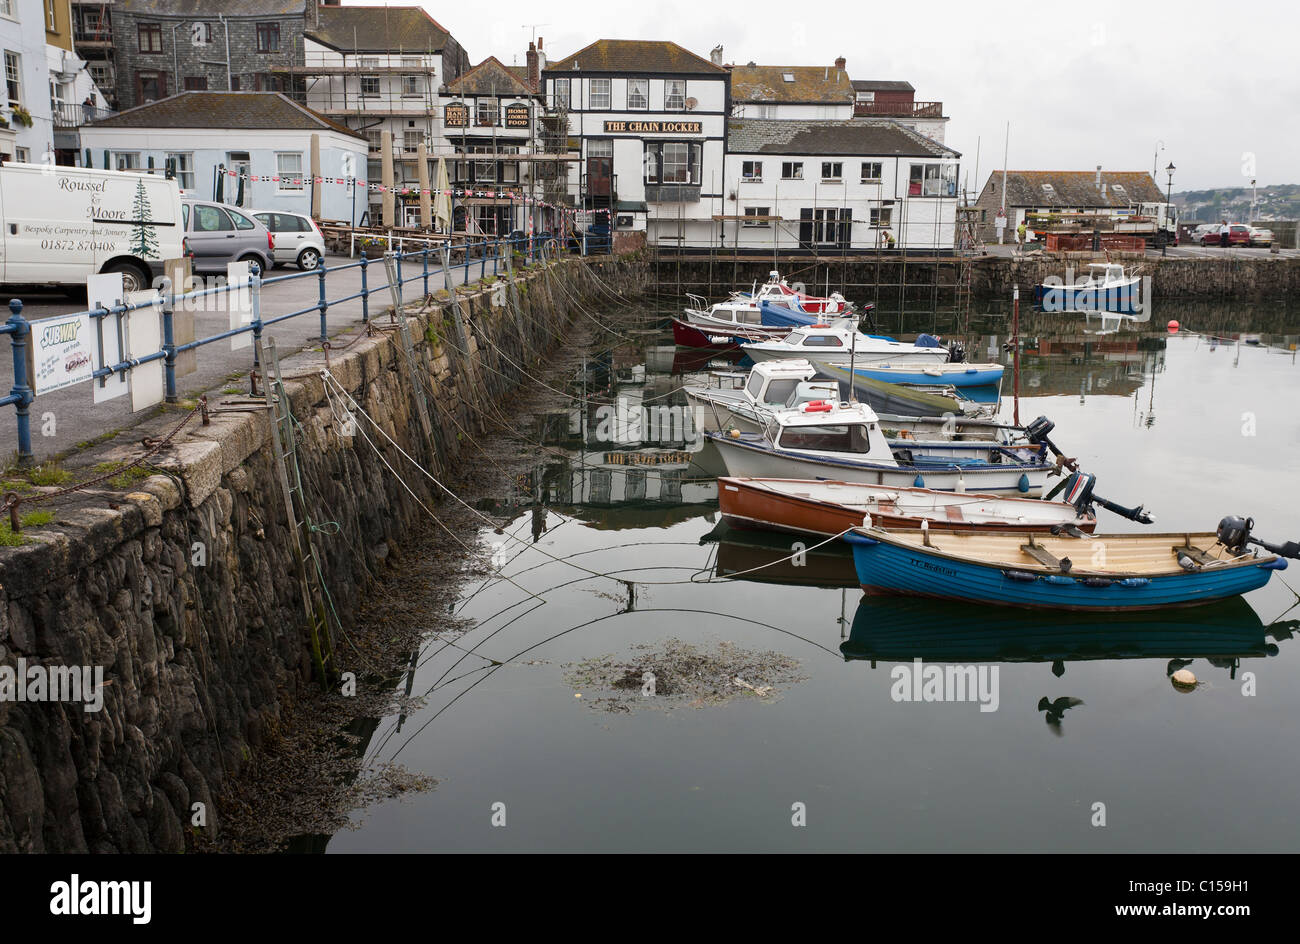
<point>1094,83</point>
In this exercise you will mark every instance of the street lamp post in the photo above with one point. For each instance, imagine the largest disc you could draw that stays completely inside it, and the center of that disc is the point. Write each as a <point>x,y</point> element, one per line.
<point>1254,199</point>
<point>1169,199</point>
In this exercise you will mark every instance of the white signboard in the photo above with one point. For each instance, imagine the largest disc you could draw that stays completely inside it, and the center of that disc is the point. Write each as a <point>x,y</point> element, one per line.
<point>105,291</point>
<point>62,352</point>
<point>239,302</point>
<point>144,337</point>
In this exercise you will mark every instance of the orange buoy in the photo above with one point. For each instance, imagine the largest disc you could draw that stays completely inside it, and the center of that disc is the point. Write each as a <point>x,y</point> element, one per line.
<point>1173,326</point>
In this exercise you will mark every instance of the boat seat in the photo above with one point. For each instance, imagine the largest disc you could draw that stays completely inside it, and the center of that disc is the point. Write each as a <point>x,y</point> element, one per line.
<point>1046,557</point>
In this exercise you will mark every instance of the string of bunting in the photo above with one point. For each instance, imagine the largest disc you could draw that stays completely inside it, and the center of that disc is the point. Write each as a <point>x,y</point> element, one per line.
<point>413,191</point>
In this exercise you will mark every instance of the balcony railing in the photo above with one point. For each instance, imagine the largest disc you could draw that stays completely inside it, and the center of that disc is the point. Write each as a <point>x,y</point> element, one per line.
<point>92,34</point>
<point>69,115</point>
<point>898,110</point>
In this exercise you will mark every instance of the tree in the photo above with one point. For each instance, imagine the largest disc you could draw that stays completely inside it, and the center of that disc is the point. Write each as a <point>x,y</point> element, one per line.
<point>144,242</point>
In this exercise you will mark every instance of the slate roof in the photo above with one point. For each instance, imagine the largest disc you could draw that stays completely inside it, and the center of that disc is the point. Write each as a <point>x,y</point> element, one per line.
<point>635,55</point>
<point>254,111</point>
<point>812,84</point>
<point>208,9</point>
<point>491,76</point>
<point>865,137</point>
<point>378,29</point>
<point>873,85</point>
<point>1076,188</point>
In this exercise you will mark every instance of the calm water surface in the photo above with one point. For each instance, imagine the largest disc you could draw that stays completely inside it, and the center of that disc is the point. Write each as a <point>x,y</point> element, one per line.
<point>1193,428</point>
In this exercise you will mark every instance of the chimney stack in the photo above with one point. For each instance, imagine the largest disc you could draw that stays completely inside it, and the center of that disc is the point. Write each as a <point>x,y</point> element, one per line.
<point>534,72</point>
<point>1098,176</point>
<point>715,56</point>
<point>541,56</point>
<point>840,63</point>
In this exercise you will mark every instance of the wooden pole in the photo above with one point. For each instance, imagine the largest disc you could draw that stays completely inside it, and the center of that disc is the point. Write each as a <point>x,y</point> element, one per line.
<point>1015,351</point>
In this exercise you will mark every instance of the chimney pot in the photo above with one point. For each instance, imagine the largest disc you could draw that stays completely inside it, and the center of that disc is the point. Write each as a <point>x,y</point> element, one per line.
<point>840,63</point>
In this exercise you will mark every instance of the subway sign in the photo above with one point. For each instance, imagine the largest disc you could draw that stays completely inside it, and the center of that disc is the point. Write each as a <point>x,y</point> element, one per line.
<point>654,127</point>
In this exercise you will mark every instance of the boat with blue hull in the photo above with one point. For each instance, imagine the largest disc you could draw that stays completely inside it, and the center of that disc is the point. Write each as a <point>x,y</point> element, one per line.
<point>1122,572</point>
<point>1107,288</point>
<point>960,376</point>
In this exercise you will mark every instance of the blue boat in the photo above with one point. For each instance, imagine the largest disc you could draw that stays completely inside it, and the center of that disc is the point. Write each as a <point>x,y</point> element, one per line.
<point>1107,288</point>
<point>782,315</point>
<point>1121,572</point>
<point>951,375</point>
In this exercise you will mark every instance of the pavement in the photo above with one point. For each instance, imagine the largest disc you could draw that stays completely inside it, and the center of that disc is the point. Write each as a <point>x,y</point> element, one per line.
<point>62,419</point>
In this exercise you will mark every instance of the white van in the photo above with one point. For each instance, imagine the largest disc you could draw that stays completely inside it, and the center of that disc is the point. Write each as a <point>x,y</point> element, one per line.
<point>62,224</point>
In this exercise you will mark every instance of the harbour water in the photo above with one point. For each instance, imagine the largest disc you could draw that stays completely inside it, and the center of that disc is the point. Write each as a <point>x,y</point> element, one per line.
<point>617,562</point>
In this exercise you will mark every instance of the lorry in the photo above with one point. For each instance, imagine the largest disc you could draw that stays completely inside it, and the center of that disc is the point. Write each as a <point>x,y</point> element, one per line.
<point>1157,223</point>
<point>59,225</point>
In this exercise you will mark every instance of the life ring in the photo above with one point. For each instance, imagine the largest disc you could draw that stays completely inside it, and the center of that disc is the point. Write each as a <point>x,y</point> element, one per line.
<point>818,406</point>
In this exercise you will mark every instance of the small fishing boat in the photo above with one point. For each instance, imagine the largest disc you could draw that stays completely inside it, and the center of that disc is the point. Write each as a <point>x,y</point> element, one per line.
<point>827,508</point>
<point>790,313</point>
<point>1106,288</point>
<point>845,441</point>
<point>686,334</point>
<point>835,344</point>
<point>931,400</point>
<point>949,375</point>
<point>1121,572</point>
<point>743,310</point>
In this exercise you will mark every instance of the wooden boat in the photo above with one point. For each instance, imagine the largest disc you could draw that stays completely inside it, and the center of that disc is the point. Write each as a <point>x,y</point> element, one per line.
<point>689,335</point>
<point>1118,572</point>
<point>827,507</point>
<point>900,629</point>
<point>1106,288</point>
<point>834,344</point>
<point>828,440</point>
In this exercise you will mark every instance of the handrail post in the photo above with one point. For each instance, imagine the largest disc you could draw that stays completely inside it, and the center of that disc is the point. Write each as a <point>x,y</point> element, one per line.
<point>496,255</point>
<point>365,291</point>
<point>323,305</point>
<point>169,338</point>
<point>398,257</point>
<point>482,271</point>
<point>255,286</point>
<point>426,270</point>
<point>21,389</point>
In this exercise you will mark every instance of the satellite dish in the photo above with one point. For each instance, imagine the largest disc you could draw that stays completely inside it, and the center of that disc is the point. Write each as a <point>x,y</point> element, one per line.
<point>691,103</point>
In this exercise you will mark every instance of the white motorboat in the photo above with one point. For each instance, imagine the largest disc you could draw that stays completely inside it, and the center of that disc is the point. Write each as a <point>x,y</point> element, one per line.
<point>835,344</point>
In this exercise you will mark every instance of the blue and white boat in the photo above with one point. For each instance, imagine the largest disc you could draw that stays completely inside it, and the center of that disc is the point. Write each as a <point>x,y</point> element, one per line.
<point>844,441</point>
<point>1118,572</point>
<point>951,375</point>
<point>1106,288</point>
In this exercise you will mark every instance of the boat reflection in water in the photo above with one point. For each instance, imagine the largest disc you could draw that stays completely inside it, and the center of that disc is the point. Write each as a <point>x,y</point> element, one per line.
<point>893,629</point>
<point>770,557</point>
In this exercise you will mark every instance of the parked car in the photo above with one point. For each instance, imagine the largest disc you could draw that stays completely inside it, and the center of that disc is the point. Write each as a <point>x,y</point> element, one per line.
<point>1238,235</point>
<point>297,238</point>
<point>1202,230</point>
<point>62,224</point>
<point>216,234</point>
<point>1261,237</point>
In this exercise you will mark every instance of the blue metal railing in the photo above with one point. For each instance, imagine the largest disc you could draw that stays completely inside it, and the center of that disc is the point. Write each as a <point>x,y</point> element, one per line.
<point>19,328</point>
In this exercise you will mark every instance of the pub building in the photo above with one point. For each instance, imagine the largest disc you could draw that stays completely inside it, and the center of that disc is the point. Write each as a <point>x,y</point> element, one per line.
<point>490,111</point>
<point>650,120</point>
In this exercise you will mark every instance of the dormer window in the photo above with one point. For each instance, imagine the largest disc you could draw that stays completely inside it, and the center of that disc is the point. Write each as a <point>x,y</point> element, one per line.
<point>1049,190</point>
<point>787,76</point>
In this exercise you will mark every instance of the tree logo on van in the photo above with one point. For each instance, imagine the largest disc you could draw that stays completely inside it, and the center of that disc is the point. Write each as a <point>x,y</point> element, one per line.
<point>144,242</point>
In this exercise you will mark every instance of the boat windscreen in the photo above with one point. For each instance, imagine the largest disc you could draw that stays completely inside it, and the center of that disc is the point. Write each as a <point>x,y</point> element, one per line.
<point>780,391</point>
<point>843,437</point>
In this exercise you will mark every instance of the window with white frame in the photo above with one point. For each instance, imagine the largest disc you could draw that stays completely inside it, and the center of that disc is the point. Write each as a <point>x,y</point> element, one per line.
<point>881,217</point>
<point>183,165</point>
<point>376,138</point>
<point>832,170</point>
<point>600,147</point>
<point>370,86</point>
<point>411,139</point>
<point>864,96</point>
<point>7,9</point>
<point>751,171</point>
<point>411,86</point>
<point>674,94</point>
<point>486,112</point>
<point>23,155</point>
<point>792,170</point>
<point>638,94</point>
<point>599,94</point>
<point>126,160</point>
<point>288,167</point>
<point>672,162</point>
<point>932,180</point>
<point>759,212</point>
<point>560,96</point>
<point>14,77</point>
<point>871,171</point>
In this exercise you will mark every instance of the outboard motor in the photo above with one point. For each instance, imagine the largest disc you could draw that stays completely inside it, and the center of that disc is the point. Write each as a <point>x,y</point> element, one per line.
<point>956,353</point>
<point>1079,493</point>
<point>1234,534</point>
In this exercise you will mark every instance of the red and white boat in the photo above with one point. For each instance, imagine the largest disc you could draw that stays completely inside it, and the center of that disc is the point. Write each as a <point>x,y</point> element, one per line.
<point>741,315</point>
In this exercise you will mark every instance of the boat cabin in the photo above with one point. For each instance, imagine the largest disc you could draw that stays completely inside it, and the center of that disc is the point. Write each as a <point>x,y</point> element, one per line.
<point>772,383</point>
<point>1105,273</point>
<point>829,428</point>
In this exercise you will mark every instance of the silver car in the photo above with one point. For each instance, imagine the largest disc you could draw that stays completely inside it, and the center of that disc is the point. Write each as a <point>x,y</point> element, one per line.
<point>298,239</point>
<point>216,234</point>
